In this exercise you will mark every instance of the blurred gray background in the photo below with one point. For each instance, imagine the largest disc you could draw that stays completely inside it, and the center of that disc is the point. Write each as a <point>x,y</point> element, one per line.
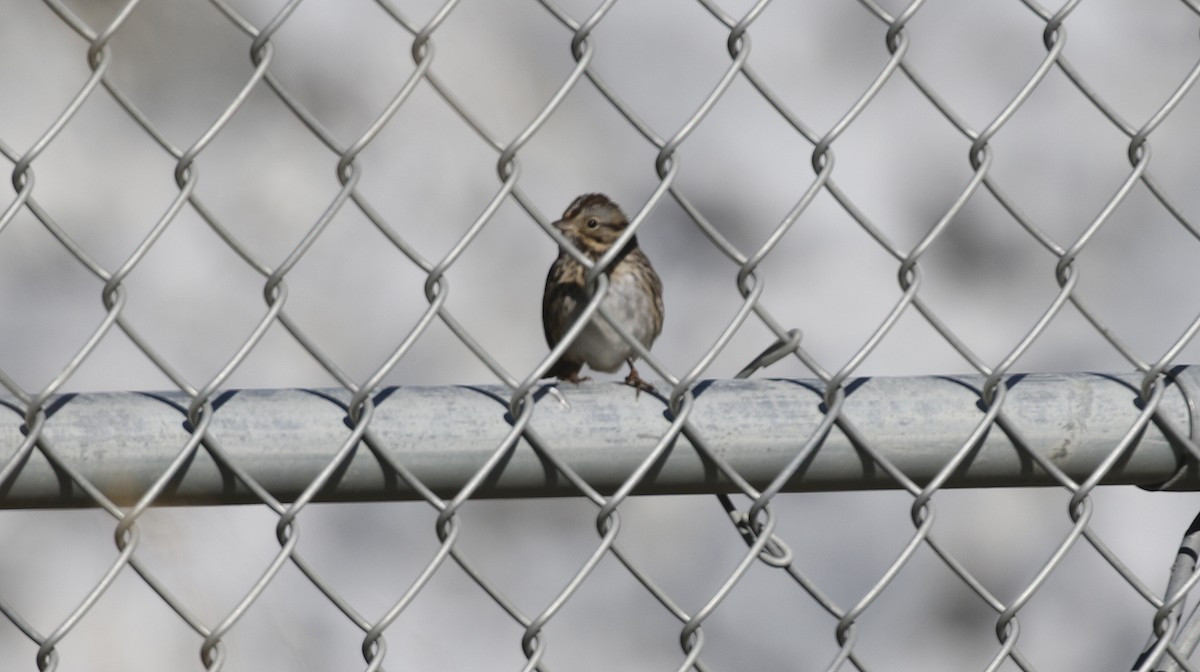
<point>268,179</point>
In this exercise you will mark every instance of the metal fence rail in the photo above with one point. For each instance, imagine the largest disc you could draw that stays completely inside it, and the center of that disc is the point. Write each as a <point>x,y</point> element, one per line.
<point>209,197</point>
<point>443,437</point>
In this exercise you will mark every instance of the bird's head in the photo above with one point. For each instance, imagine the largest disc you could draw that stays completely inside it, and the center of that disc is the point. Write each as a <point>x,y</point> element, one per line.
<point>593,223</point>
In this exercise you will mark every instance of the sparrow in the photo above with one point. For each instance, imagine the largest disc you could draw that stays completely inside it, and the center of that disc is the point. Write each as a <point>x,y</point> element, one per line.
<point>634,299</point>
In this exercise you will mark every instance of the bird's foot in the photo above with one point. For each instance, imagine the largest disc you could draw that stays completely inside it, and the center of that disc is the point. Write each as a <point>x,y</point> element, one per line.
<point>635,381</point>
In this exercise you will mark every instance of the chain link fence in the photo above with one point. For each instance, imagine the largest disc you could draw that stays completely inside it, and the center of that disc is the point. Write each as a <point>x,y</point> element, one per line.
<point>323,229</point>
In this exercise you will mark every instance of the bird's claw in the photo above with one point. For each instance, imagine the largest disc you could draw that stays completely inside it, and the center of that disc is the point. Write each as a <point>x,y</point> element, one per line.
<point>635,381</point>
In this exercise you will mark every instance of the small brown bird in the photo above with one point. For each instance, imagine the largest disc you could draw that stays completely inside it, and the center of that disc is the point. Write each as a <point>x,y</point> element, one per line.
<point>634,299</point>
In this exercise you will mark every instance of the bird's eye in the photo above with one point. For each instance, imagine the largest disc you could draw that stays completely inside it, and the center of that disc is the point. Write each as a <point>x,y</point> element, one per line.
<point>593,223</point>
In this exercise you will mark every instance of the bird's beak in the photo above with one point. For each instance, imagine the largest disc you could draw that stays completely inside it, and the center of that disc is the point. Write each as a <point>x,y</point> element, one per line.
<point>562,225</point>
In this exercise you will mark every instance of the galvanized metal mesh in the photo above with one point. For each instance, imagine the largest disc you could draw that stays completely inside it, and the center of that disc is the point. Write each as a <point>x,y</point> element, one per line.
<point>213,196</point>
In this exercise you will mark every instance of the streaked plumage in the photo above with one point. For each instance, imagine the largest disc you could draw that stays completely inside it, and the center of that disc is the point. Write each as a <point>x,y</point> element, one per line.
<point>593,223</point>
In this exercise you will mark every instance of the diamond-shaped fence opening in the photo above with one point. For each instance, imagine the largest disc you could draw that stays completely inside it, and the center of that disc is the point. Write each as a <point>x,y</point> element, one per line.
<point>275,384</point>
